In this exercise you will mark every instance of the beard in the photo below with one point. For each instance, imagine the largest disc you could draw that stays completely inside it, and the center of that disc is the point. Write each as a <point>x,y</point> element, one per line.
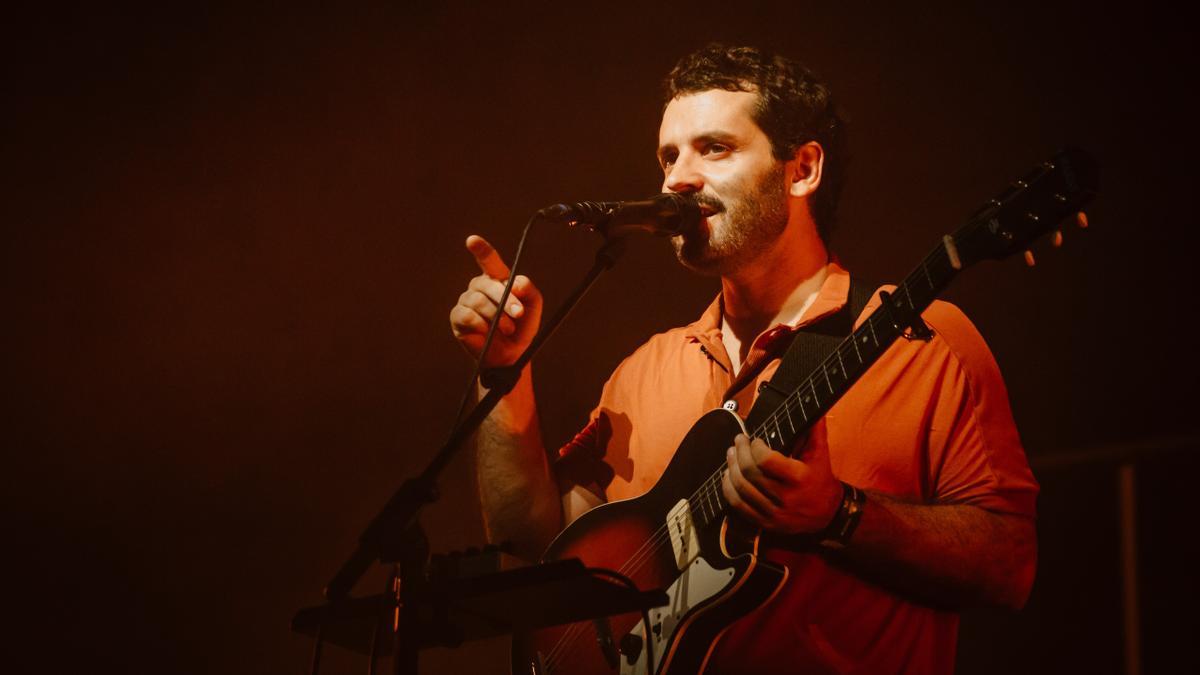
<point>752,222</point>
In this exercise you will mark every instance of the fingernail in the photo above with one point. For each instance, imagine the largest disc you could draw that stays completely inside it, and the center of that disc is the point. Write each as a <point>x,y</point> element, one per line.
<point>514,309</point>
<point>728,453</point>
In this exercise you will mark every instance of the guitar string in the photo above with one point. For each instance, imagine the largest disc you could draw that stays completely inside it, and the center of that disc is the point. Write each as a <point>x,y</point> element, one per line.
<point>709,486</point>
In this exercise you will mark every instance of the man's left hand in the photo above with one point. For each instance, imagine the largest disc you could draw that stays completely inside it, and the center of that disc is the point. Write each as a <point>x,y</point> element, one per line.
<point>780,493</point>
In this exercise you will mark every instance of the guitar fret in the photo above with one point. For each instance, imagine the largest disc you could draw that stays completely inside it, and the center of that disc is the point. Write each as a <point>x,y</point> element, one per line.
<point>709,512</point>
<point>789,419</point>
<point>803,412</point>
<point>712,497</point>
<point>925,269</point>
<point>856,362</point>
<point>828,382</point>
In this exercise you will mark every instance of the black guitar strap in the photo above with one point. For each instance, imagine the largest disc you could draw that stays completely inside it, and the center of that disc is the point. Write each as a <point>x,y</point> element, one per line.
<point>809,347</point>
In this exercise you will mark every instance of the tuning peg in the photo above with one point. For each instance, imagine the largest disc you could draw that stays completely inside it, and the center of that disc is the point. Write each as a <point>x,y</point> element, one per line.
<point>1057,238</point>
<point>1081,218</point>
<point>1029,258</point>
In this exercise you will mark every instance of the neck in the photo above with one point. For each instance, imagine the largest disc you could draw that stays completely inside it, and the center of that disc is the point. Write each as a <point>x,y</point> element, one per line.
<point>778,286</point>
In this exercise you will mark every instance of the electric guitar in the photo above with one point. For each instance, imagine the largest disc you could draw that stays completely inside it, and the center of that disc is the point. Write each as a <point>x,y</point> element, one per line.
<point>678,536</point>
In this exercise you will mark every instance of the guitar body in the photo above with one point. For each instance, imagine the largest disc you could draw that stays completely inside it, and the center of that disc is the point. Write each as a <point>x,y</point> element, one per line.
<point>709,565</point>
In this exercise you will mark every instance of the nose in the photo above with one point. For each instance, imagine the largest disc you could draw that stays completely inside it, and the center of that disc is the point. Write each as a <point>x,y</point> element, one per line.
<point>684,175</point>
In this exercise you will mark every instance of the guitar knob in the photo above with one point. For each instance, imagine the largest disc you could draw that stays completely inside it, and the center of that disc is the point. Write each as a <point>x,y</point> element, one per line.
<point>631,647</point>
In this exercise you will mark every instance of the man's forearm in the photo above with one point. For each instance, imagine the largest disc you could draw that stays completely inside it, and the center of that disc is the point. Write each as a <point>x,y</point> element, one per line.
<point>519,497</point>
<point>948,555</point>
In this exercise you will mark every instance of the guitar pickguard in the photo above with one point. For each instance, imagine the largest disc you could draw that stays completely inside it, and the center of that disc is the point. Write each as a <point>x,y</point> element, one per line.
<point>699,583</point>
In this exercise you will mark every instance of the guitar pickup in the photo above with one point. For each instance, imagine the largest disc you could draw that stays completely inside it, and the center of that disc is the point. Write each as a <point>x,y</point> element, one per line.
<point>685,541</point>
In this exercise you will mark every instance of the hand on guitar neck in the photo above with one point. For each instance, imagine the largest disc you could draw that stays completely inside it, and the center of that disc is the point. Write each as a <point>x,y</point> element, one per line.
<point>790,495</point>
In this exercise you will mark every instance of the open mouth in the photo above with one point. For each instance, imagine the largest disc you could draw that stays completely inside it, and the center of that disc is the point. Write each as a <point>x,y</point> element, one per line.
<point>706,211</point>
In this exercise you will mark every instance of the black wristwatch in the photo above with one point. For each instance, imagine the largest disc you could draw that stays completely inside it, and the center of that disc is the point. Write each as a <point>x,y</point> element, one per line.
<point>837,534</point>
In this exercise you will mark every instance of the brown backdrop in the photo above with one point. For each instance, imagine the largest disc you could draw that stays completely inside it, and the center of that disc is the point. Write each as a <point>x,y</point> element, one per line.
<point>235,234</point>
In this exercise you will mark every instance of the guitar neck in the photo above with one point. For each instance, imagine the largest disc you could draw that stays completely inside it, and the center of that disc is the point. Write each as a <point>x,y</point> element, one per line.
<point>838,372</point>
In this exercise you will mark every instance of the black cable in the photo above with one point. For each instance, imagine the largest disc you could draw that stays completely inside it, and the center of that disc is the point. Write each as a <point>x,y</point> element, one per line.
<point>373,656</point>
<point>645,612</point>
<point>315,667</point>
<point>487,342</point>
<point>380,616</point>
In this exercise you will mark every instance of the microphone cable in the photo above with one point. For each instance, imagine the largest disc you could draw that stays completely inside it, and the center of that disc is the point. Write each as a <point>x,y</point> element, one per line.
<point>495,323</point>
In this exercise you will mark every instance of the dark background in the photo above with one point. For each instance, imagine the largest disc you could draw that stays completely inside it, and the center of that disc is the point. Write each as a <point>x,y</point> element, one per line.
<point>234,234</point>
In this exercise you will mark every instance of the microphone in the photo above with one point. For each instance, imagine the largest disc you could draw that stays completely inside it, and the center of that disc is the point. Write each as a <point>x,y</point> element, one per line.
<point>665,215</point>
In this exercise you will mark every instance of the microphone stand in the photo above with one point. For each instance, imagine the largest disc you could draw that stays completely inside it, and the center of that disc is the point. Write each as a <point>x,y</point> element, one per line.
<point>394,536</point>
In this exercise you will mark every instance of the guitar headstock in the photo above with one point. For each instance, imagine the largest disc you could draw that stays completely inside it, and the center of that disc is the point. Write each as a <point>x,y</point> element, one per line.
<point>1031,207</point>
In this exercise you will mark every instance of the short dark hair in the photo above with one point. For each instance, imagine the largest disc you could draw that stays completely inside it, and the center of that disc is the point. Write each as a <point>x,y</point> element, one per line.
<point>794,107</point>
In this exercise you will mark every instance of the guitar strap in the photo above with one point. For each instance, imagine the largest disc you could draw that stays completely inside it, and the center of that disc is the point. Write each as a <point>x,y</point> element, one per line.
<point>809,347</point>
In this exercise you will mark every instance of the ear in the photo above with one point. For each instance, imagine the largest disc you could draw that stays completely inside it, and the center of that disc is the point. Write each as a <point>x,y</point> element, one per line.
<point>804,169</point>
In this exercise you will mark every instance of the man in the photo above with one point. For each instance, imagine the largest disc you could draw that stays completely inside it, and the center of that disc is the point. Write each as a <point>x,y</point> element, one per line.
<point>927,436</point>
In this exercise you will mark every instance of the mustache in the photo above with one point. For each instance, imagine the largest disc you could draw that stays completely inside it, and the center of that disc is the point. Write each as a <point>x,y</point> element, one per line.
<point>716,205</point>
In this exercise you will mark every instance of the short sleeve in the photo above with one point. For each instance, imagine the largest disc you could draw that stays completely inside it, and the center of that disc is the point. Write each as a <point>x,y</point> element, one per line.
<point>581,461</point>
<point>975,453</point>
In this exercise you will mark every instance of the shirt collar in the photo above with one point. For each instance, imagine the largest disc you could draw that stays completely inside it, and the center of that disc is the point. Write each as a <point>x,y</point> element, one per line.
<point>830,298</point>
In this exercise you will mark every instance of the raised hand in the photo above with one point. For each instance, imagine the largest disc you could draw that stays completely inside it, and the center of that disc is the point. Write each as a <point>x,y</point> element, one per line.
<point>477,306</point>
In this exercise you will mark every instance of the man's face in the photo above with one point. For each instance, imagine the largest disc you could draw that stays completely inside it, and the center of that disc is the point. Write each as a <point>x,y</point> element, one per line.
<point>710,146</point>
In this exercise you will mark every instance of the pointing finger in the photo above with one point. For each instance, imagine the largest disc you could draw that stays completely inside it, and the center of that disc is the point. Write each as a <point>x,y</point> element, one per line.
<point>488,259</point>
<point>493,289</point>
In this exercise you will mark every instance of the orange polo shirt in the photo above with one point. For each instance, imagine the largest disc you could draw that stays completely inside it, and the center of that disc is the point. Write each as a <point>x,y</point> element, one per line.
<point>928,422</point>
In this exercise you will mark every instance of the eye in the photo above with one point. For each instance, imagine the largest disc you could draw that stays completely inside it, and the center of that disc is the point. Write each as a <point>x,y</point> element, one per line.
<point>667,159</point>
<point>716,149</point>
